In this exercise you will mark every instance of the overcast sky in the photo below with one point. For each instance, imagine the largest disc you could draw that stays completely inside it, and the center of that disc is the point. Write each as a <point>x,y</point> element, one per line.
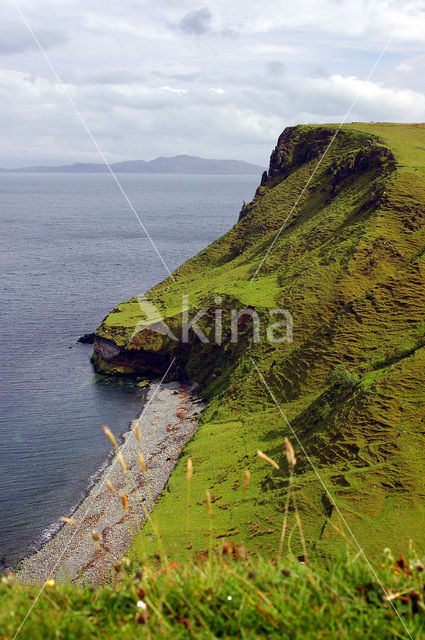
<point>219,80</point>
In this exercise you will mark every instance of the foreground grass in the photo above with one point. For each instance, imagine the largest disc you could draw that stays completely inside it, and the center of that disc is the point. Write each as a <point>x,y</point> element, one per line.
<point>230,595</point>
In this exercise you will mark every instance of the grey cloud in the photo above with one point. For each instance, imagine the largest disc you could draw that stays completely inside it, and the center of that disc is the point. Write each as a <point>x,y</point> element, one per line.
<point>182,77</point>
<point>197,22</point>
<point>320,72</point>
<point>276,68</point>
<point>108,76</point>
<point>157,79</point>
<point>15,38</point>
<point>227,32</point>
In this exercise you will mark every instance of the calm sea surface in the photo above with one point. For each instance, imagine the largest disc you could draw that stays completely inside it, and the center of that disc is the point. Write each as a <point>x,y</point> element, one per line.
<point>71,250</point>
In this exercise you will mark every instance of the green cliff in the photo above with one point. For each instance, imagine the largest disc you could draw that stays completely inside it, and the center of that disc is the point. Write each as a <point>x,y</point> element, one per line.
<point>349,266</point>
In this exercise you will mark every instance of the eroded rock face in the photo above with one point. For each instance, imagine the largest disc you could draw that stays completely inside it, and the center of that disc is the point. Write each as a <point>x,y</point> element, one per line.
<point>372,156</point>
<point>110,359</point>
<point>293,149</point>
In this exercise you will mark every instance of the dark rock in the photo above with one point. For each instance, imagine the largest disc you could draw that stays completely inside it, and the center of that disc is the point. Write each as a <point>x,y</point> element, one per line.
<point>87,338</point>
<point>369,158</point>
<point>110,359</point>
<point>294,149</point>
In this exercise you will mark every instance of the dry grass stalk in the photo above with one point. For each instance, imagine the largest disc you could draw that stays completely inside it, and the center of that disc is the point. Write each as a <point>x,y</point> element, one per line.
<point>122,463</point>
<point>189,474</point>
<point>142,463</point>
<point>138,434</point>
<point>108,433</point>
<point>124,501</point>
<point>189,468</point>
<point>285,522</point>
<point>110,486</point>
<point>290,453</point>
<point>69,521</point>
<point>292,460</point>
<point>301,532</point>
<point>209,503</point>
<point>266,458</point>
<point>246,480</point>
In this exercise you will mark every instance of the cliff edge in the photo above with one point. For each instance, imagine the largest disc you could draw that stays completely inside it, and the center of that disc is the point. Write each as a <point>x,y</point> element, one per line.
<point>348,265</point>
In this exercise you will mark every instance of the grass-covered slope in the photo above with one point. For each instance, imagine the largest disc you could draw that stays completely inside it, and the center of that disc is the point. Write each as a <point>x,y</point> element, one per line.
<point>349,266</point>
<point>229,596</point>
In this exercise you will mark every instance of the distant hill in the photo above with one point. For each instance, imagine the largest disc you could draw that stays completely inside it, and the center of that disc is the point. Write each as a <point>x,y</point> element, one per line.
<point>177,164</point>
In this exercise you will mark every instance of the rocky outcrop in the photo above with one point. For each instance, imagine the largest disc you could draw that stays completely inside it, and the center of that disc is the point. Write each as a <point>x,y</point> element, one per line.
<point>86,338</point>
<point>294,147</point>
<point>373,156</point>
<point>110,359</point>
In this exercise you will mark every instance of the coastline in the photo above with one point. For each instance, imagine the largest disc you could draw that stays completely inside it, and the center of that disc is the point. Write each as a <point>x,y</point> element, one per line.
<point>49,532</point>
<point>167,421</point>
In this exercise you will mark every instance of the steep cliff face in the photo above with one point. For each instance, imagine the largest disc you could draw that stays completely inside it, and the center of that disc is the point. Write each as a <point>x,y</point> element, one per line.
<point>349,266</point>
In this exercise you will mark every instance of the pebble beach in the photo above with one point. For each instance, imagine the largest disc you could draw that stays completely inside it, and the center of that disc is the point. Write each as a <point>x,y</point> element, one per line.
<point>167,421</point>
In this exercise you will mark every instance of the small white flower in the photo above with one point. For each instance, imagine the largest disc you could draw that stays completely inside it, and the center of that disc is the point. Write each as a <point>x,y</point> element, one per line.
<point>141,605</point>
<point>229,597</point>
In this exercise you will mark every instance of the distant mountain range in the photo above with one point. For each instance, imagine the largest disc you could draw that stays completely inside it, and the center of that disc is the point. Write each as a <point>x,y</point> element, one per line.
<point>177,164</point>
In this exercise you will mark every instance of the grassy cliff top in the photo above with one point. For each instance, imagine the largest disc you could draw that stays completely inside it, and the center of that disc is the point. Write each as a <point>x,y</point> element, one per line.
<point>349,266</point>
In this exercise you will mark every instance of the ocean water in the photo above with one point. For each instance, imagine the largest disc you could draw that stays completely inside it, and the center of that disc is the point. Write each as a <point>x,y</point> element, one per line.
<point>72,250</point>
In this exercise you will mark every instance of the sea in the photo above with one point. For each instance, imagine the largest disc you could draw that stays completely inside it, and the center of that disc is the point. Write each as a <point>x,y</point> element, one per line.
<point>72,249</point>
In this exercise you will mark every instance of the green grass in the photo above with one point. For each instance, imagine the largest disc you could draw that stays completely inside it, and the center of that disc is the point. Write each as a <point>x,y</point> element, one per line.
<point>350,267</point>
<point>231,595</point>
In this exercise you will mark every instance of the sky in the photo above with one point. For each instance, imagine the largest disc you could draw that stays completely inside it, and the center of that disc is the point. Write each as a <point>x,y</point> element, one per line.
<point>218,80</point>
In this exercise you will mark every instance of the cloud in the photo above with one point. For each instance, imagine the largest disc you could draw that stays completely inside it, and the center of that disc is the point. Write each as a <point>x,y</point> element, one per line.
<point>173,90</point>
<point>139,121</point>
<point>161,78</point>
<point>15,38</point>
<point>197,22</point>
<point>106,76</point>
<point>276,68</point>
<point>409,73</point>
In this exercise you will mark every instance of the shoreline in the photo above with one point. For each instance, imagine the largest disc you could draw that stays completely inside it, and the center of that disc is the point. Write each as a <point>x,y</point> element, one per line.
<point>167,420</point>
<point>52,530</point>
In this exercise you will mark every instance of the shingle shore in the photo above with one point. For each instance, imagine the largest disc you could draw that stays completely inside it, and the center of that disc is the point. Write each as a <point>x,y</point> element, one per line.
<point>167,422</point>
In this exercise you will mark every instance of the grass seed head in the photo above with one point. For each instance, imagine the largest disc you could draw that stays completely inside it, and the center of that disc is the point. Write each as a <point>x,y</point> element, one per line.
<point>246,479</point>
<point>266,458</point>
<point>95,536</point>
<point>110,486</point>
<point>142,463</point>
<point>189,468</point>
<point>138,434</point>
<point>290,453</point>
<point>69,521</point>
<point>122,463</point>
<point>108,433</point>
<point>124,501</point>
<point>209,503</point>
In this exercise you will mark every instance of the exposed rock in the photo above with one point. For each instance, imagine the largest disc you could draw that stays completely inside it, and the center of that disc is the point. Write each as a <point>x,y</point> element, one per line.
<point>110,359</point>
<point>86,338</point>
<point>293,149</point>
<point>370,157</point>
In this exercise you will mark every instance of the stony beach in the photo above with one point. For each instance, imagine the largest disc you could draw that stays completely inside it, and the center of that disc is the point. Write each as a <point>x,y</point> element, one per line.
<point>167,421</point>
